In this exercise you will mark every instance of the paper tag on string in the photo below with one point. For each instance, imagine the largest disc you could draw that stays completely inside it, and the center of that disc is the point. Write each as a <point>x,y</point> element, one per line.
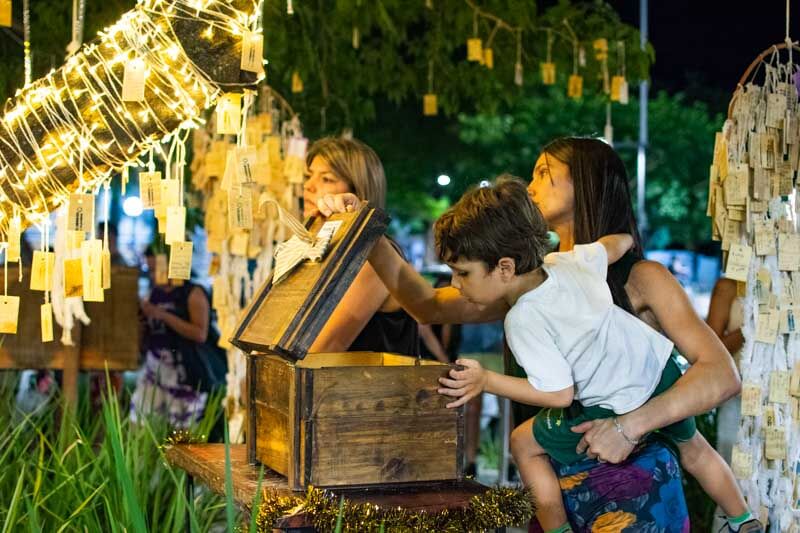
<point>430,105</point>
<point>176,224</point>
<point>81,212</point>
<point>474,49</point>
<point>46,318</point>
<point>765,237</point>
<point>180,260</point>
<point>73,278</point>
<point>616,88</point>
<point>246,160</point>
<point>161,277</point>
<point>775,445</point>
<point>170,193</point>
<point>5,13</point>
<point>488,58</point>
<point>150,189</point>
<point>575,87</point>
<point>779,387</point>
<point>9,314</point>
<point>741,463</point>
<point>229,114</point>
<point>751,399</point>
<point>297,82</point>
<point>240,208</point>
<point>776,109</point>
<point>14,250</point>
<point>738,262</point>
<point>624,92</point>
<point>548,73</point>
<point>518,74</point>
<point>788,252</point>
<point>767,326</point>
<point>794,383</point>
<point>730,233</point>
<point>219,291</point>
<point>92,270</point>
<point>106,269</point>
<point>133,81</point>
<point>42,268</point>
<point>252,52</point>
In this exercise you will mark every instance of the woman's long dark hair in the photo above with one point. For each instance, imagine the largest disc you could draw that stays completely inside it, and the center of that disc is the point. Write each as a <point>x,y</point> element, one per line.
<point>602,202</point>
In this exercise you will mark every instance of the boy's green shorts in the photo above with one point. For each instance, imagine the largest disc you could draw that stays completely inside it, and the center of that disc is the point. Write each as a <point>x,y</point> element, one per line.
<point>552,427</point>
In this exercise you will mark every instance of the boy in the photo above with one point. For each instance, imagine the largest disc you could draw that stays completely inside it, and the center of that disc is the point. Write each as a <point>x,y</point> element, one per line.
<point>570,338</point>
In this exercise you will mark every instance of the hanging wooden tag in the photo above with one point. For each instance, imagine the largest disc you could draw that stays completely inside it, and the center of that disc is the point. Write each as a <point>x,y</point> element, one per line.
<point>106,269</point>
<point>14,240</point>
<point>474,49</point>
<point>779,387</point>
<point>161,270</point>
<point>430,105</point>
<point>81,212</point>
<point>176,224</point>
<point>738,262</point>
<point>180,260</point>
<point>246,160</point>
<point>9,314</point>
<point>150,189</point>
<point>133,81</point>
<point>73,278</point>
<point>575,87</point>
<point>240,208</point>
<point>488,58</point>
<point>297,82</point>
<point>5,13</point>
<point>170,193</point>
<point>548,73</point>
<point>92,270</point>
<point>42,268</point>
<point>229,114</point>
<point>46,316</point>
<point>252,52</point>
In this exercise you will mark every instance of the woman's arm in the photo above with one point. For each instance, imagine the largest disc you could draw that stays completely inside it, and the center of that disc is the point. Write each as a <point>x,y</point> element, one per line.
<point>719,314</point>
<point>426,304</point>
<point>196,328</point>
<point>363,299</point>
<point>616,246</point>
<point>710,380</point>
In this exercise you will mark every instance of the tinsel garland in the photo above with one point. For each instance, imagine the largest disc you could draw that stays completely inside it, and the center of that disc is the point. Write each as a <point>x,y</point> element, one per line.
<point>183,436</point>
<point>497,507</point>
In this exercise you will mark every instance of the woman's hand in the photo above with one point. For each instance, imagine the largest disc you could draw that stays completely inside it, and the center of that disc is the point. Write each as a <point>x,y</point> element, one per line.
<point>338,203</point>
<point>602,441</point>
<point>465,384</point>
<point>151,311</point>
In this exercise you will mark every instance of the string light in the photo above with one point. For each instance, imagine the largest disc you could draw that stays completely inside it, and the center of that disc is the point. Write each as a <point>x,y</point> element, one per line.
<point>72,130</point>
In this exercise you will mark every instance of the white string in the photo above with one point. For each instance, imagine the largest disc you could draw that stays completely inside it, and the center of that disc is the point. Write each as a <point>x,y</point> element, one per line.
<point>26,39</point>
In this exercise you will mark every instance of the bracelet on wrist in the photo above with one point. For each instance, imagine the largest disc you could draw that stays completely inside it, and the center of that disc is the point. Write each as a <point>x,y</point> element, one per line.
<point>621,431</point>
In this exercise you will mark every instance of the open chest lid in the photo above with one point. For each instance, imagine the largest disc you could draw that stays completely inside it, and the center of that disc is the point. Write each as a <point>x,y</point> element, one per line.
<point>285,318</point>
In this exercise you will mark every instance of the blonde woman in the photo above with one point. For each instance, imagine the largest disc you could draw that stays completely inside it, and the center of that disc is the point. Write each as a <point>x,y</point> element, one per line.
<point>367,318</point>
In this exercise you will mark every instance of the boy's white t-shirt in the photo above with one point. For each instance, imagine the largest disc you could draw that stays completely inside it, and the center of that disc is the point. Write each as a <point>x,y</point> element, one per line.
<point>567,331</point>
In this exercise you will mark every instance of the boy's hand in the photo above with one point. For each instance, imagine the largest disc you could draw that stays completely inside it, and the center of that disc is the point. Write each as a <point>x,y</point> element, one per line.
<point>464,384</point>
<point>338,203</point>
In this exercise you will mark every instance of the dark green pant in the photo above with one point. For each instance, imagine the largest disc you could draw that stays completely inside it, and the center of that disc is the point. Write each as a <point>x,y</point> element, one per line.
<point>552,426</point>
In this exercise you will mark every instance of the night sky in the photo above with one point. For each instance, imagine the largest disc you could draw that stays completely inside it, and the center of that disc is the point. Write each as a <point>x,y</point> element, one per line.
<point>704,46</point>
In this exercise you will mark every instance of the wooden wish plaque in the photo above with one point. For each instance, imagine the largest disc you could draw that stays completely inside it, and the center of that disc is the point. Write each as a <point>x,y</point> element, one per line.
<point>340,419</point>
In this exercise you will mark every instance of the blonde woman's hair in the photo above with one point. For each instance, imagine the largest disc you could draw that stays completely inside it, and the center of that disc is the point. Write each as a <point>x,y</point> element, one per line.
<point>356,163</point>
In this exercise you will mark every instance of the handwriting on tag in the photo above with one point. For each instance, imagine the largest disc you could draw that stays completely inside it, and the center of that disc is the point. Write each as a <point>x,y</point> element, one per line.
<point>92,270</point>
<point>81,212</point>
<point>46,318</point>
<point>788,251</point>
<point>180,260</point>
<point>741,463</point>
<point>738,262</point>
<point>252,52</point>
<point>779,387</point>
<point>751,400</point>
<point>240,208</point>
<point>150,189</point>
<point>73,278</point>
<point>9,314</point>
<point>42,268</point>
<point>229,114</point>
<point>133,81</point>
<point>775,446</point>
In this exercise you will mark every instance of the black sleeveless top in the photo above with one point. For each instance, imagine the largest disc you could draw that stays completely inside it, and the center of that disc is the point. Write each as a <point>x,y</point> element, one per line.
<point>393,331</point>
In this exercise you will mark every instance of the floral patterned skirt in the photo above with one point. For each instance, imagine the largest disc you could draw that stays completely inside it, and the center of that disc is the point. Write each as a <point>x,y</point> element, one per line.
<point>643,495</point>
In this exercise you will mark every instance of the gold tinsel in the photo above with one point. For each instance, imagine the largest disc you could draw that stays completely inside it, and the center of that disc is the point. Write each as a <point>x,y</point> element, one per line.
<point>497,507</point>
<point>182,436</point>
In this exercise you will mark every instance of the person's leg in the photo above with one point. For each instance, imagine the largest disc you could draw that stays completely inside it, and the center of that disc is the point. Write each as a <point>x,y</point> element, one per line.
<point>538,476</point>
<point>716,478</point>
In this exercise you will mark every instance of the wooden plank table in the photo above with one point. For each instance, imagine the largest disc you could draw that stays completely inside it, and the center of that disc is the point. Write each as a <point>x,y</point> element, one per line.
<point>206,463</point>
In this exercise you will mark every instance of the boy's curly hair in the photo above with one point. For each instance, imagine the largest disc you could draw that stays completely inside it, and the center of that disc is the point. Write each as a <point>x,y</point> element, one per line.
<point>491,222</point>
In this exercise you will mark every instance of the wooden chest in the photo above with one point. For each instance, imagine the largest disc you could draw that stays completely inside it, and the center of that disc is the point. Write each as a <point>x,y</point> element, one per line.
<point>340,419</point>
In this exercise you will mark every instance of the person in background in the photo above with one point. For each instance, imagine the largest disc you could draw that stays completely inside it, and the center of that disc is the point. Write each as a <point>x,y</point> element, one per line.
<point>725,317</point>
<point>176,322</point>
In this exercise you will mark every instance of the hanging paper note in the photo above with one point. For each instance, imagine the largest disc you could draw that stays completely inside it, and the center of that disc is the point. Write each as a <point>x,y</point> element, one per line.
<point>788,252</point>
<point>430,105</point>
<point>161,270</point>
<point>751,399</point>
<point>240,208</point>
<point>488,58</point>
<point>518,74</point>
<point>170,193</point>
<point>74,240</point>
<point>133,81</point>
<point>81,212</point>
<point>219,291</point>
<point>180,260</point>
<point>229,114</point>
<point>600,49</point>
<point>767,326</point>
<point>150,189</point>
<point>474,49</point>
<point>741,463</point>
<point>9,314</point>
<point>738,262</point>
<point>794,384</point>
<point>252,52</point>
<point>92,270</point>
<point>46,315</point>
<point>14,240</point>
<point>176,224</point>
<point>106,269</point>
<point>575,87</point>
<point>246,160</point>
<point>297,82</point>
<point>616,88</point>
<point>42,268</point>
<point>5,13</point>
<point>73,278</point>
<point>779,387</point>
<point>624,96</point>
<point>775,446</point>
<point>548,73</point>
